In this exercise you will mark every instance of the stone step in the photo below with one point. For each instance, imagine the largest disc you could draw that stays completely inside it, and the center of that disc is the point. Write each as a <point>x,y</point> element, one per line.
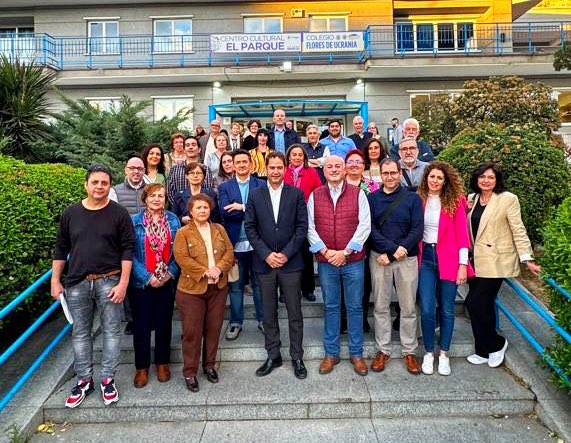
<point>250,344</point>
<point>382,430</point>
<point>240,395</point>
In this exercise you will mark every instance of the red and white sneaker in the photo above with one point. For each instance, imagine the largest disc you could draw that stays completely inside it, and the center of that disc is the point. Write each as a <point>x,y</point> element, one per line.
<point>81,390</point>
<point>109,391</point>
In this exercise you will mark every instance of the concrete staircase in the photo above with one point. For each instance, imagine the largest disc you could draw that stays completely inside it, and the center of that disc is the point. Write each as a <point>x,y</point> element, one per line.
<point>472,402</point>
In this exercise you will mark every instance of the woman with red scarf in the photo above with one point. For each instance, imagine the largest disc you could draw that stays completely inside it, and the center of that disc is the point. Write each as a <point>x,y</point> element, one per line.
<point>302,176</point>
<point>151,293</point>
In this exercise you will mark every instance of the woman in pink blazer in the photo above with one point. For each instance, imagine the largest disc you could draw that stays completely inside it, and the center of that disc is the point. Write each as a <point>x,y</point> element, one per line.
<point>443,258</point>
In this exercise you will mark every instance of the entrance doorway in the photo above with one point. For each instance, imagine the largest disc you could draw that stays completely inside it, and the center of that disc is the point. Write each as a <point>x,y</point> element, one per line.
<point>301,112</point>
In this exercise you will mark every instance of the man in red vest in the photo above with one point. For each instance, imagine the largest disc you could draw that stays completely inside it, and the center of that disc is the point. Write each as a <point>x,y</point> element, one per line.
<point>339,224</point>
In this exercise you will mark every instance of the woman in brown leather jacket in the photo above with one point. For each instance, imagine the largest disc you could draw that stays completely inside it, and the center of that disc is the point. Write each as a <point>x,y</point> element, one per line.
<point>205,255</point>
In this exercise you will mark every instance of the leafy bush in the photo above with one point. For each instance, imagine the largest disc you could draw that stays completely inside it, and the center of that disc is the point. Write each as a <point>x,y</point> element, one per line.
<point>32,198</point>
<point>556,263</point>
<point>534,169</point>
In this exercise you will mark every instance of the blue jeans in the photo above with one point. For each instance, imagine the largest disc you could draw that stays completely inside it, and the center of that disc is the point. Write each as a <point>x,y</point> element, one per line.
<point>237,290</point>
<point>430,286</point>
<point>352,277</point>
<point>82,299</point>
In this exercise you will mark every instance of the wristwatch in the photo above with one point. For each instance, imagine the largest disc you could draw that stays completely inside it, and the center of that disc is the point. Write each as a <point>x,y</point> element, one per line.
<point>346,253</point>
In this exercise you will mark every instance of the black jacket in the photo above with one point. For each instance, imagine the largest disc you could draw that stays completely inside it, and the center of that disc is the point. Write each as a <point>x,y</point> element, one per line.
<point>290,137</point>
<point>285,236</point>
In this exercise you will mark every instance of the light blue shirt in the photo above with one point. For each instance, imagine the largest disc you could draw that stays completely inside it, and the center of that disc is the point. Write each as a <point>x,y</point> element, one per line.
<point>279,141</point>
<point>340,147</point>
<point>243,245</point>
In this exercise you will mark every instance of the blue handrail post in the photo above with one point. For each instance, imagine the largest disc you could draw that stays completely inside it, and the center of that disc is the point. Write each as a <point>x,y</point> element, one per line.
<point>561,35</point>
<point>498,38</point>
<point>121,51</point>
<point>44,50</point>
<point>61,45</point>
<point>529,38</point>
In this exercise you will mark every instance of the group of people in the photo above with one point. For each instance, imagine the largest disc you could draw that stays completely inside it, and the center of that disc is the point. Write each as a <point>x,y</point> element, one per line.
<point>379,224</point>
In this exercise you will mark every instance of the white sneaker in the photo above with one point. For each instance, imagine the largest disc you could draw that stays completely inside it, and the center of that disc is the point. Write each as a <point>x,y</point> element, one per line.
<point>428,363</point>
<point>497,358</point>
<point>475,359</point>
<point>443,364</point>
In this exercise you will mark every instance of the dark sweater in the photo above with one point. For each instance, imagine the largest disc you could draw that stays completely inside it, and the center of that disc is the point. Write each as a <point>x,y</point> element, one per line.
<point>404,226</point>
<point>98,240</point>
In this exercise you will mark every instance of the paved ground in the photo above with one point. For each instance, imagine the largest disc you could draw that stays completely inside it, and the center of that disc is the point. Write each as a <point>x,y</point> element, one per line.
<point>402,430</point>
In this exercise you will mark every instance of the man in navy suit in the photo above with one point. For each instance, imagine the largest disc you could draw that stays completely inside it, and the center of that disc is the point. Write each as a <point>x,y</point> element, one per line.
<point>276,225</point>
<point>232,198</point>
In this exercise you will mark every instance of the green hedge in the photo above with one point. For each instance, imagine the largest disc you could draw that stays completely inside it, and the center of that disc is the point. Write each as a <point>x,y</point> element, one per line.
<point>32,198</point>
<point>534,168</point>
<point>556,263</point>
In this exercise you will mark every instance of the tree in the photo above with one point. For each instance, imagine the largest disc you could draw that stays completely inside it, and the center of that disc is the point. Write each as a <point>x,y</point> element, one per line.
<point>562,58</point>
<point>84,134</point>
<point>506,100</point>
<point>534,168</point>
<point>24,108</point>
<point>436,121</point>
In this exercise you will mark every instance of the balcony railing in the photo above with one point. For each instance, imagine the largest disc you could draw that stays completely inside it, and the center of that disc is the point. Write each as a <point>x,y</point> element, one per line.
<point>401,40</point>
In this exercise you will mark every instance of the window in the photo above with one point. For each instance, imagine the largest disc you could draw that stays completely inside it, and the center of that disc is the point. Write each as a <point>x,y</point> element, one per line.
<point>420,37</point>
<point>18,40</point>
<point>327,23</point>
<point>262,25</point>
<point>419,100</point>
<point>169,107</point>
<point>564,98</point>
<point>103,37</point>
<point>105,103</point>
<point>172,35</point>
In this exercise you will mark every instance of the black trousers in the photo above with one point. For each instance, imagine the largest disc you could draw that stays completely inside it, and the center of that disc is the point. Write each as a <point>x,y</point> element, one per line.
<point>480,303</point>
<point>152,306</point>
<point>289,284</point>
<point>307,275</point>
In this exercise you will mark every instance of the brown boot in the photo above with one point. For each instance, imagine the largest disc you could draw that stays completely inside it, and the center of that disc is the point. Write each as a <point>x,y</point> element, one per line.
<point>359,365</point>
<point>379,362</point>
<point>328,364</point>
<point>163,373</point>
<point>141,378</point>
<point>412,364</point>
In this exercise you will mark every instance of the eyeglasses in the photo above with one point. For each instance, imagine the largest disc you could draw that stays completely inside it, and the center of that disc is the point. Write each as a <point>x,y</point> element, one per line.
<point>390,173</point>
<point>135,168</point>
<point>196,173</point>
<point>408,148</point>
<point>355,162</point>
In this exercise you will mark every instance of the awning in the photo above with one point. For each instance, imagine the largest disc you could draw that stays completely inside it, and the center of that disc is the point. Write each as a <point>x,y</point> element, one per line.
<point>292,108</point>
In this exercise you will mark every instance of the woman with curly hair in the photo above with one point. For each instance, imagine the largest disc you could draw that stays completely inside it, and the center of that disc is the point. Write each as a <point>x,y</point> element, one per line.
<point>443,257</point>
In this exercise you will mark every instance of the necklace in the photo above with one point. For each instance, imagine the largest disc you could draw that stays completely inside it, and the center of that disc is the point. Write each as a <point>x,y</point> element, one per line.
<point>486,201</point>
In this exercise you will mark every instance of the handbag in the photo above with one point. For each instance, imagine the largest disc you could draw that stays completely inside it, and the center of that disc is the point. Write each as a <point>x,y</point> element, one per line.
<point>234,273</point>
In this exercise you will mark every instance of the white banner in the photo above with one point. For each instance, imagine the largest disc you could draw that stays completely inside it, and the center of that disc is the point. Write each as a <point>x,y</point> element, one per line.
<point>333,41</point>
<point>231,43</point>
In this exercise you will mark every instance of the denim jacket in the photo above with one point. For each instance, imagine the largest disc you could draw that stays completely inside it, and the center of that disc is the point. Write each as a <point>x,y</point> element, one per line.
<point>140,276</point>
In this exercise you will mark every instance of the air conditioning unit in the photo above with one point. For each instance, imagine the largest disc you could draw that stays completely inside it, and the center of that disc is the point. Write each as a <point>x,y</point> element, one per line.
<point>297,13</point>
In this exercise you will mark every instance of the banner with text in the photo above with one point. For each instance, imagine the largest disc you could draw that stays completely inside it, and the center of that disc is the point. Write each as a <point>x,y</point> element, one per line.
<point>333,41</point>
<point>255,43</point>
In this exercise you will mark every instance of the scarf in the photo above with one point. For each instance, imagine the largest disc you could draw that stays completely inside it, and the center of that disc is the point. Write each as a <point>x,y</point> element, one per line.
<point>296,175</point>
<point>156,233</point>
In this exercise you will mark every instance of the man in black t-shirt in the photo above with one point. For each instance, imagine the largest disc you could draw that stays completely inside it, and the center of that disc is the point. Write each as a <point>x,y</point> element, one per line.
<point>98,236</point>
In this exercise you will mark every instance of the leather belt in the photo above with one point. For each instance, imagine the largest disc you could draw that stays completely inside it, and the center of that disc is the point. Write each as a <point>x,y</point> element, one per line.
<point>92,277</point>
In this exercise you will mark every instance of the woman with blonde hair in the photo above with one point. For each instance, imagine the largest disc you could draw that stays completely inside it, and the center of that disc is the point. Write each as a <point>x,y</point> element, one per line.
<point>443,258</point>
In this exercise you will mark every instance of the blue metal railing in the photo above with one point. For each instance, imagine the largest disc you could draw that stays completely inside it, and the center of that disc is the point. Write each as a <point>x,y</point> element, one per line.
<point>380,41</point>
<point>27,333</point>
<point>546,316</point>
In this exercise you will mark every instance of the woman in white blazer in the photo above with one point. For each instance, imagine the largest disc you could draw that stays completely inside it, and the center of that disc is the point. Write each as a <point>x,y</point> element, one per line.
<point>499,244</point>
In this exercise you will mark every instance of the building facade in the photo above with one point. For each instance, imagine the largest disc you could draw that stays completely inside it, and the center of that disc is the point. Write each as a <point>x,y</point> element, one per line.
<point>387,54</point>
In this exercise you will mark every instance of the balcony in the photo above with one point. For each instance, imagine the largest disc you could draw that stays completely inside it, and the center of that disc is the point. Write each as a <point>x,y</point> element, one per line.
<point>403,40</point>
